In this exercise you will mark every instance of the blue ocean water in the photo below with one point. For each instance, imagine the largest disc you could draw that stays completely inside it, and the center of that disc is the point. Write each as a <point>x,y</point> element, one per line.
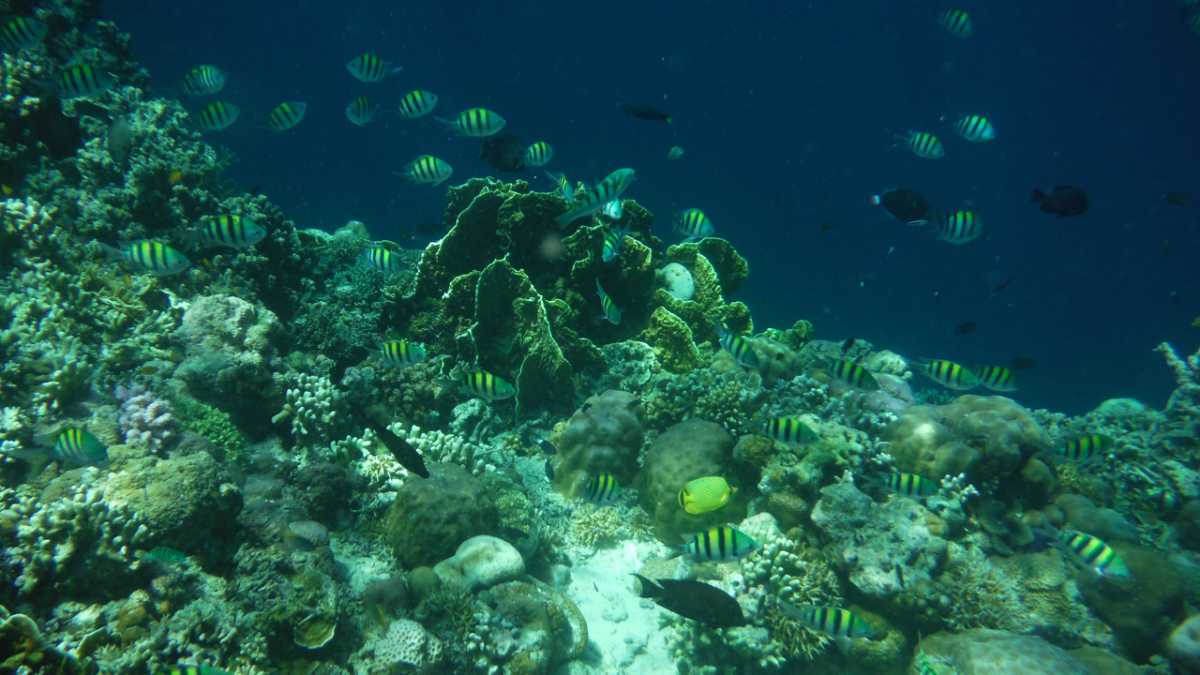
<point>786,112</point>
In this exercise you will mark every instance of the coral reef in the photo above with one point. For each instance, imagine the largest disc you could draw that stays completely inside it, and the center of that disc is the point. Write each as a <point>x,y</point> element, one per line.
<point>605,435</point>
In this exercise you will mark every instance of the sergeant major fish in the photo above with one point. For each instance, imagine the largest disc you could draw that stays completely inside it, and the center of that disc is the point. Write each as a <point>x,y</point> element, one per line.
<point>476,122</point>
<point>286,115</point>
<point>149,256</point>
<point>229,231</point>
<point>612,187</point>
<point>203,80</point>
<point>693,224</point>
<point>370,68</point>
<point>612,313</point>
<point>417,103</point>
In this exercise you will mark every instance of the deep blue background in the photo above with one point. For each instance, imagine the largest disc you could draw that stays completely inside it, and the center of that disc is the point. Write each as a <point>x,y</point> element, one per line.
<point>786,114</point>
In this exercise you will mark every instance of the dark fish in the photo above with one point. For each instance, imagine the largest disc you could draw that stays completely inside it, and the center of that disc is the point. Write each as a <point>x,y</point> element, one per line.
<point>965,328</point>
<point>404,453</point>
<point>848,344</point>
<point>1021,363</point>
<point>1003,284</point>
<point>825,227</point>
<point>547,447</point>
<point>1178,198</point>
<point>907,206</point>
<point>504,152</point>
<point>1063,201</point>
<point>549,470</point>
<point>646,112</point>
<point>695,600</point>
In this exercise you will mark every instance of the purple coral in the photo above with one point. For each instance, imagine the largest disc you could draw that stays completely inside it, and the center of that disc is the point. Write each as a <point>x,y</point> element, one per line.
<point>146,419</point>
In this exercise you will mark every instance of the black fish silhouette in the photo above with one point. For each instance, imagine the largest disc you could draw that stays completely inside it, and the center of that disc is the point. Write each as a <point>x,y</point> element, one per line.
<point>404,453</point>
<point>646,112</point>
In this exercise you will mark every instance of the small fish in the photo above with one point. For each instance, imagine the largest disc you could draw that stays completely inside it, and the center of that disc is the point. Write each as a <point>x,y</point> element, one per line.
<point>949,374</point>
<point>960,227</point>
<point>286,115</point>
<point>217,116</point>
<point>612,313</point>
<point>837,623</point>
<point>675,152</point>
<point>539,153</point>
<point>907,206</point>
<point>923,144</point>
<point>600,488</point>
<point>417,103</point>
<point>1003,284</point>
<point>694,600</point>
<point>145,255</point>
<point>549,470</point>
<point>476,122</point>
<point>361,111</point>
<point>1085,448</point>
<point>957,22</point>
<point>82,80</point>
<point>486,385</point>
<point>613,210</point>
<point>645,112</point>
<point>504,152</point>
<point>175,177</point>
<point>428,170</point>
<point>790,430</point>
<point>1096,554</point>
<point>368,67</point>
<point>853,373</point>
<point>738,346</point>
<point>702,495</point>
<point>382,259</point>
<point>1178,198</point>
<point>965,328</point>
<point>405,453</point>
<point>847,344</point>
<point>910,484</point>
<point>186,669</point>
<point>1063,201</point>
<point>402,352</point>
<point>230,231</point>
<point>1022,363</point>
<point>693,224</point>
<point>565,188</point>
<point>166,556</point>
<point>610,247</point>
<point>203,80</point>
<point>79,446</point>
<point>975,128</point>
<point>996,378</point>
<point>22,32</point>
<point>720,543</point>
<point>612,187</point>
<point>547,447</point>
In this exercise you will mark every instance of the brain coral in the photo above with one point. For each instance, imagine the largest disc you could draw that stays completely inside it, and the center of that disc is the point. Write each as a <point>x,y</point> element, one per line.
<point>431,517</point>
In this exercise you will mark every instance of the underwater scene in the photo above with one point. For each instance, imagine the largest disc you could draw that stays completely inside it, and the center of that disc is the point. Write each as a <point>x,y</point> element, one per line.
<point>522,338</point>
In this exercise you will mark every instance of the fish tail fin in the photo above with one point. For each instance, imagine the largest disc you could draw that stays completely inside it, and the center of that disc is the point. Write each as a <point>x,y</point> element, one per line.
<point>1037,196</point>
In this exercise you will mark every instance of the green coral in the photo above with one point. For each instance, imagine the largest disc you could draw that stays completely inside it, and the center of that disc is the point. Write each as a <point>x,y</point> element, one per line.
<point>212,424</point>
<point>672,341</point>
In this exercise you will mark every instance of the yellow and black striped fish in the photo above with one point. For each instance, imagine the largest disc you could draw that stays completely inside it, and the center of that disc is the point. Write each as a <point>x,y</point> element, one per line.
<point>957,22</point>
<point>949,374</point>
<point>837,623</point>
<point>286,115</point>
<point>417,103</point>
<point>538,153</point>
<point>370,68</point>
<point>83,80</point>
<point>1094,553</point>
<point>361,111</point>
<point>693,224</point>
<point>428,170</point>
<point>910,484</point>
<point>612,313</point>
<point>217,116</point>
<point>477,122</point>
<point>487,386</point>
<point>184,669</point>
<point>923,144</point>
<point>610,247</point>
<point>78,446</point>
<point>960,227</point>
<point>740,347</point>
<point>1084,448</point>
<point>612,187</point>
<point>402,352</point>
<point>149,256</point>
<point>203,80</point>
<point>975,128</point>
<point>719,543</point>
<point>853,373</point>
<point>383,259</point>
<point>22,32</point>
<point>232,231</point>
<point>600,488</point>
<point>790,430</point>
<point>996,378</point>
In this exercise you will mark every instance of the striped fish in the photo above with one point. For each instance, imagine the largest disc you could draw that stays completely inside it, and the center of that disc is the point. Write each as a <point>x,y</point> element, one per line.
<point>286,115</point>
<point>1094,553</point>
<point>960,227</point>
<point>402,352</point>
<point>361,111</point>
<point>853,373</point>
<point>600,488</point>
<point>203,80</point>
<point>910,484</point>
<point>975,128</point>
<point>487,386</point>
<point>82,80</point>
<point>719,543</point>
<point>231,231</point>
<point>370,68</point>
<point>217,116</point>
<point>185,669</point>
<point>610,247</point>
<point>957,22</point>
<point>428,170</point>
<point>565,188</point>
<point>739,346</point>
<point>22,32</point>
<point>381,258</point>
<point>538,153</point>
<point>78,446</point>
<point>613,210</point>
<point>837,623</point>
<point>949,374</point>
<point>923,144</point>
<point>149,256</point>
<point>476,122</point>
<point>417,103</point>
<point>790,430</point>
<point>612,313</point>
<point>693,224</point>
<point>1084,448</point>
<point>612,187</point>
<point>996,378</point>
